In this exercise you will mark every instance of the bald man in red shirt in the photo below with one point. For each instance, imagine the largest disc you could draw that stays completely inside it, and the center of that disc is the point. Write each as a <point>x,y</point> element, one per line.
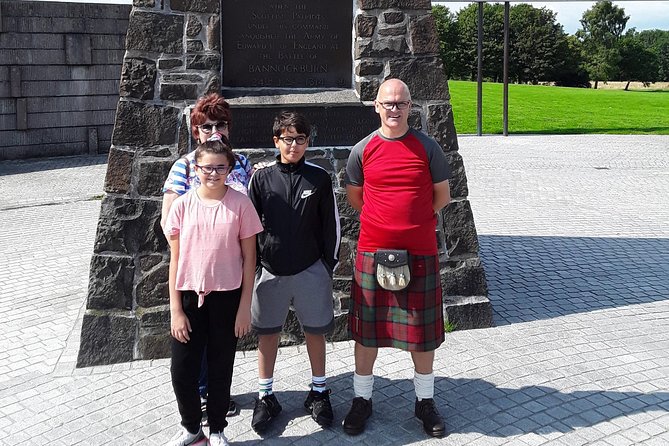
<point>397,178</point>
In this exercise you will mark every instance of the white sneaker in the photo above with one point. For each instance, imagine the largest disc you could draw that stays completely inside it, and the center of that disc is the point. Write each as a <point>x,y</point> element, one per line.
<point>218,439</point>
<point>185,438</point>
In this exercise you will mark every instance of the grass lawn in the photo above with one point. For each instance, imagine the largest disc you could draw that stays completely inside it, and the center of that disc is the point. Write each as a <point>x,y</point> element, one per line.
<point>560,110</point>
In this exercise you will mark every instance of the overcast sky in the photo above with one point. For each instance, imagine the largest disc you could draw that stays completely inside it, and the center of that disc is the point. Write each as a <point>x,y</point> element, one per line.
<point>643,15</point>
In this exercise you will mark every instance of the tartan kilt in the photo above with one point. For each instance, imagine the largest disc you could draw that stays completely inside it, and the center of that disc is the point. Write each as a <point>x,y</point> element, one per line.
<point>411,319</point>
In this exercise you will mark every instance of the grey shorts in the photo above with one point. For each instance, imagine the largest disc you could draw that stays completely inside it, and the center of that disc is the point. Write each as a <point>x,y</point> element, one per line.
<point>310,293</point>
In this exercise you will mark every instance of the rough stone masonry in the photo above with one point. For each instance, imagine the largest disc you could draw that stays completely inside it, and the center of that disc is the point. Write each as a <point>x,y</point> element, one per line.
<point>175,52</point>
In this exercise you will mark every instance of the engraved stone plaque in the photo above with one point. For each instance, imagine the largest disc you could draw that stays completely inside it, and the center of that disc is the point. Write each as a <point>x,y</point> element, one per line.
<point>287,43</point>
<point>331,126</point>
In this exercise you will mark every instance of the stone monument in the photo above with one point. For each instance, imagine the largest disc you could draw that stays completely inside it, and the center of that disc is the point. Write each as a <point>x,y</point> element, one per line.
<point>320,57</point>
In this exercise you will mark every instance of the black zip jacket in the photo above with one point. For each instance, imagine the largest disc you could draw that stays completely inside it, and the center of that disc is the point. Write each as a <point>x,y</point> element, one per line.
<point>298,210</point>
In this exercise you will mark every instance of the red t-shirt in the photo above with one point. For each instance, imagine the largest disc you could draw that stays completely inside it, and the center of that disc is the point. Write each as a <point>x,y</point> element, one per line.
<point>397,177</point>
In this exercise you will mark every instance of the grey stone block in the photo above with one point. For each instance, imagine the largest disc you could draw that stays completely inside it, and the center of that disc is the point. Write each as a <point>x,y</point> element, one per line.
<point>423,32</point>
<point>71,88</point>
<point>403,4</point>
<point>156,33</point>
<point>387,31</point>
<point>458,180</point>
<point>106,338</point>
<point>70,119</point>
<point>365,25</point>
<point>145,125</point>
<point>15,81</point>
<point>110,283</point>
<point>77,49</point>
<point>194,46</point>
<point>425,77</point>
<point>154,339</point>
<point>7,106</point>
<point>440,125</point>
<point>152,288</point>
<point>206,6</point>
<point>214,33</point>
<point>152,174</point>
<point>66,73</point>
<point>107,42</point>
<point>138,78</point>
<point>178,92</point>
<point>129,226</point>
<point>467,313</point>
<point>193,26</point>
<point>8,122</point>
<point>168,64</point>
<point>44,136</point>
<point>21,114</point>
<point>459,228</point>
<point>203,62</point>
<point>369,68</point>
<point>92,141</point>
<point>393,17</point>
<point>367,89</point>
<point>466,278</point>
<point>105,57</point>
<point>37,57</point>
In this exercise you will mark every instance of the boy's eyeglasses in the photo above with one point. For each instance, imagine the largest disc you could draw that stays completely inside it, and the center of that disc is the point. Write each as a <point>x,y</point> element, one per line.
<point>390,105</point>
<point>207,128</point>
<point>289,140</point>
<point>208,170</point>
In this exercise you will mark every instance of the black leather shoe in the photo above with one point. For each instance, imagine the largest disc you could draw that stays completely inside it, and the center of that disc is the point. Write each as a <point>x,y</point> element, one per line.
<point>265,410</point>
<point>318,405</point>
<point>427,412</point>
<point>355,421</point>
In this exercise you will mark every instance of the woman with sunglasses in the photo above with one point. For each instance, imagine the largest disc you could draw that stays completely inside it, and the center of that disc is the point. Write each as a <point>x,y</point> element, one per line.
<point>210,120</point>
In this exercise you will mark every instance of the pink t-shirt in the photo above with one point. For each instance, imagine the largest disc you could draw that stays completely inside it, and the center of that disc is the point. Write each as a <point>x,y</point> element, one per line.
<point>210,253</point>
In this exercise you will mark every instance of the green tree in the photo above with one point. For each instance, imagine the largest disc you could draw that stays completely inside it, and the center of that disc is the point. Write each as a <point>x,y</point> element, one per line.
<point>602,27</point>
<point>448,38</point>
<point>493,42</point>
<point>538,44</point>
<point>572,73</point>
<point>637,62</point>
<point>657,41</point>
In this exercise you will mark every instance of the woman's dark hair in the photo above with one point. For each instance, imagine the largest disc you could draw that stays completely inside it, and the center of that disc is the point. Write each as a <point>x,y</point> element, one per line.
<point>212,106</point>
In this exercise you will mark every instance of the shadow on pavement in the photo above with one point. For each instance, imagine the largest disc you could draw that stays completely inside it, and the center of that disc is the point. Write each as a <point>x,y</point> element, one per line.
<point>476,405</point>
<point>467,405</point>
<point>534,278</point>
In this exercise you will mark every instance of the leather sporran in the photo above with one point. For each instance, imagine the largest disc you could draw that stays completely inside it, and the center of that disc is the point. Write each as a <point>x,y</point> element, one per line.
<point>392,269</point>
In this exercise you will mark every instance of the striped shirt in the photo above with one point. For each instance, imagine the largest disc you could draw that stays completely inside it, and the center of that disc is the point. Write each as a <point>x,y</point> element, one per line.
<point>182,175</point>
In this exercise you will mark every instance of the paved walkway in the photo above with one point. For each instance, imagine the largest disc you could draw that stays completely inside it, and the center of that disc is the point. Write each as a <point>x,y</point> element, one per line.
<point>574,235</point>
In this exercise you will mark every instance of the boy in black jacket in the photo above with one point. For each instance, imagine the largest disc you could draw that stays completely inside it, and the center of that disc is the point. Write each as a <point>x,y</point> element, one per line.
<point>298,253</point>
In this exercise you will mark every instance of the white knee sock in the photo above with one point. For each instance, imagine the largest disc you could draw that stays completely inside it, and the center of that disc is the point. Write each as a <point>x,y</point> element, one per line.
<point>318,383</point>
<point>363,385</point>
<point>265,386</point>
<point>424,385</point>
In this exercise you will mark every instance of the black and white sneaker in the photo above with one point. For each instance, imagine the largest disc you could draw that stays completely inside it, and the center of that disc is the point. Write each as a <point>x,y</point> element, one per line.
<point>266,409</point>
<point>318,405</point>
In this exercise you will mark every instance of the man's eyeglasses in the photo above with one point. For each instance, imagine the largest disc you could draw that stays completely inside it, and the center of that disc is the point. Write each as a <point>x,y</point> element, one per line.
<point>208,170</point>
<point>390,105</point>
<point>289,140</point>
<point>207,128</point>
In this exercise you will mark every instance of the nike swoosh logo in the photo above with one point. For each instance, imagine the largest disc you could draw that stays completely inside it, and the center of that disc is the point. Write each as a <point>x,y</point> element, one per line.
<point>306,193</point>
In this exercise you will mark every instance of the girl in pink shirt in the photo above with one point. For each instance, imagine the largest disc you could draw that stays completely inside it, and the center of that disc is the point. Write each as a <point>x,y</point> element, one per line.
<point>212,234</point>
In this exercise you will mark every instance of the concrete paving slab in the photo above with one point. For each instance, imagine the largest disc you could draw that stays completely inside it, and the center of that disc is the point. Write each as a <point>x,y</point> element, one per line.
<point>574,234</point>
